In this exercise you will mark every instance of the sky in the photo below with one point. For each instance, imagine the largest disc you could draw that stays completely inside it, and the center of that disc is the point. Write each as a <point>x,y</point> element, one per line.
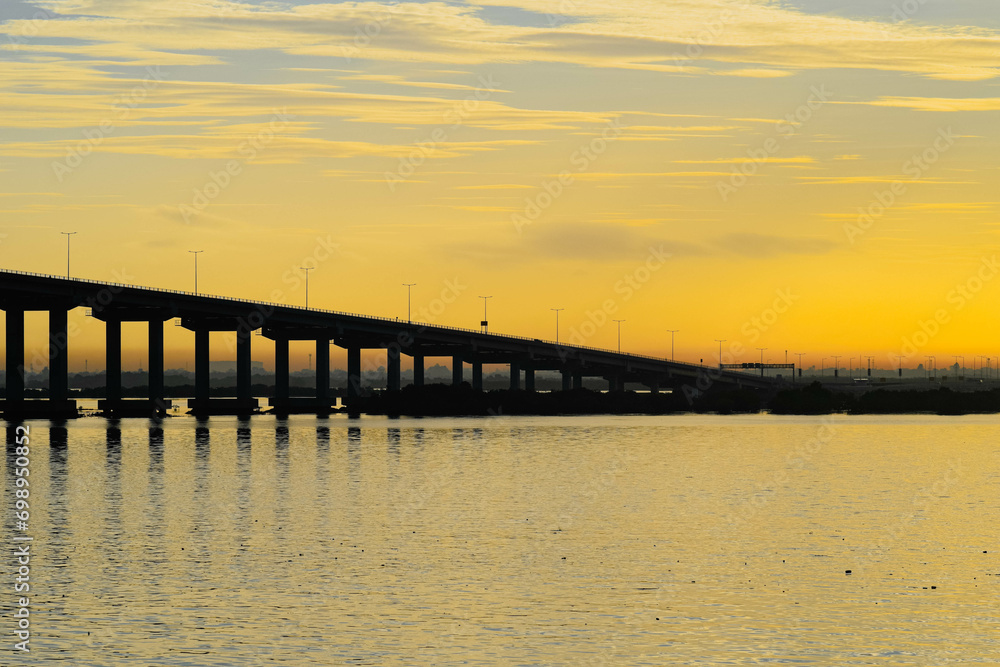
<point>814,177</point>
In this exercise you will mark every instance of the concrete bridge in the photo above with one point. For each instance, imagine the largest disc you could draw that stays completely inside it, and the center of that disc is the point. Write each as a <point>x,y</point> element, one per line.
<point>115,303</point>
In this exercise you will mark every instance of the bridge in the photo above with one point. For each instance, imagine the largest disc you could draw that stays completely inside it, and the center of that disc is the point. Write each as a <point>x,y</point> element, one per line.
<point>114,303</point>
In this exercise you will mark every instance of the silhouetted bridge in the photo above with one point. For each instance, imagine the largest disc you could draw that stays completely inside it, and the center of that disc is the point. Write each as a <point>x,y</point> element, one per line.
<point>114,303</point>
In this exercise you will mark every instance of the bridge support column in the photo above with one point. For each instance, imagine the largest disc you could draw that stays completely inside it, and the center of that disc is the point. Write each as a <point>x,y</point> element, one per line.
<point>281,368</point>
<point>577,380</point>
<point>418,370</point>
<point>202,364</point>
<point>353,372</point>
<point>156,390</point>
<point>323,368</point>
<point>654,387</point>
<point>616,383</point>
<point>567,380</point>
<point>477,375</point>
<point>392,368</point>
<point>515,376</point>
<point>529,379</point>
<point>456,370</point>
<point>243,366</point>
<point>58,355</point>
<point>15,355</point>
<point>113,360</point>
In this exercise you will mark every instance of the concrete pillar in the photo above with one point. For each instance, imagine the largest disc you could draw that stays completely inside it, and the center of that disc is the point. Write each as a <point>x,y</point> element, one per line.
<point>515,376</point>
<point>654,387</point>
<point>244,388</point>
<point>418,370</point>
<point>456,370</point>
<point>281,368</point>
<point>577,380</point>
<point>353,372</point>
<point>529,379</point>
<point>156,390</point>
<point>392,368</point>
<point>113,360</point>
<point>15,355</point>
<point>477,375</point>
<point>323,368</point>
<point>567,380</point>
<point>202,364</point>
<point>58,355</point>
<point>616,383</point>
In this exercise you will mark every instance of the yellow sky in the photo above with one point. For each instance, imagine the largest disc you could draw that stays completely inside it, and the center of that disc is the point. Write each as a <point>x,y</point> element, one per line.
<point>769,173</point>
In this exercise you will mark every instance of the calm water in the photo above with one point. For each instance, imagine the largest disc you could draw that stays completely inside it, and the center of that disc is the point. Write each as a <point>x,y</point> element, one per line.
<point>512,541</point>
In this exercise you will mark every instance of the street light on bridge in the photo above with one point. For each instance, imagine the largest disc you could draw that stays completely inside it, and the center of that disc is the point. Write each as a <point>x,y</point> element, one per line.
<point>762,360</point>
<point>720,342</point>
<point>557,311</point>
<point>408,287</point>
<point>672,332</point>
<point>619,335</point>
<point>68,235</point>
<point>307,270</point>
<point>836,365</point>
<point>485,324</point>
<point>196,253</point>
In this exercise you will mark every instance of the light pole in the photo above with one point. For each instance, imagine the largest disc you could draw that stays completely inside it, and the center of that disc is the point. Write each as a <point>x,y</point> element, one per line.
<point>408,287</point>
<point>556,311</point>
<point>762,360</point>
<point>720,342</point>
<point>68,235</point>
<point>307,270</point>
<point>196,253</point>
<point>619,335</point>
<point>799,355</point>
<point>485,324</point>
<point>672,332</point>
<point>836,365</point>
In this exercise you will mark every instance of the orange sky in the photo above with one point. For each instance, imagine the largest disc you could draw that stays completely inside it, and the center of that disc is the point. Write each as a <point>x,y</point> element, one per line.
<point>694,165</point>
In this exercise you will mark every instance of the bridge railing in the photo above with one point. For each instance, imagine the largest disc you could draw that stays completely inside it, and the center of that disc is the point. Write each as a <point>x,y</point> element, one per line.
<point>354,315</point>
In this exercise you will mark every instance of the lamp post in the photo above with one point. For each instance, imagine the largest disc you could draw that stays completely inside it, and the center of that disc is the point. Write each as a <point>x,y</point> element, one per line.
<point>720,342</point>
<point>619,335</point>
<point>307,282</point>
<point>196,253</point>
<point>672,332</point>
<point>68,235</point>
<point>836,365</point>
<point>799,355</point>
<point>556,311</point>
<point>485,323</point>
<point>762,360</point>
<point>408,286</point>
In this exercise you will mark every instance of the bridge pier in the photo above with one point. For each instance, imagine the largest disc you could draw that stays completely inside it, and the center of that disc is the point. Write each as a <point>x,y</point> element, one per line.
<point>577,380</point>
<point>616,383</point>
<point>456,370</point>
<point>58,357</point>
<point>654,387</point>
<point>418,370</point>
<point>58,405</point>
<point>281,370</point>
<point>157,391</point>
<point>202,365</point>
<point>477,375</point>
<point>567,380</point>
<point>393,368</point>
<point>322,369</point>
<point>353,375</point>
<point>515,376</point>
<point>529,380</point>
<point>15,355</point>
<point>113,360</point>
<point>203,403</point>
